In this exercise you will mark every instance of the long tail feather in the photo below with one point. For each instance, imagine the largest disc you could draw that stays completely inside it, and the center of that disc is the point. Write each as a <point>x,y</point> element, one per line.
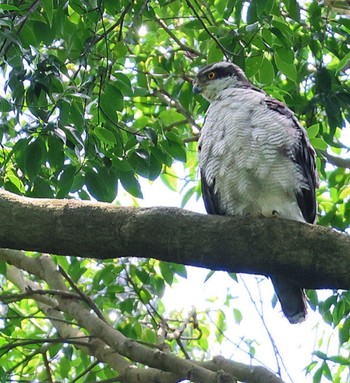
<point>292,299</point>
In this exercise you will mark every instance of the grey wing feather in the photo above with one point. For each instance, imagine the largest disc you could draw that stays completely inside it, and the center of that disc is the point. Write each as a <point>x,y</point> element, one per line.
<point>210,197</point>
<point>304,156</point>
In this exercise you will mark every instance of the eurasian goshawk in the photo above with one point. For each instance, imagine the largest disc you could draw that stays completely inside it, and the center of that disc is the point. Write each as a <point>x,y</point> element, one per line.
<point>255,159</point>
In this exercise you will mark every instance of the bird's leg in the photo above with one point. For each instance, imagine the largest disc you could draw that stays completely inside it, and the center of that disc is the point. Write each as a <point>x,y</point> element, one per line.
<point>275,213</point>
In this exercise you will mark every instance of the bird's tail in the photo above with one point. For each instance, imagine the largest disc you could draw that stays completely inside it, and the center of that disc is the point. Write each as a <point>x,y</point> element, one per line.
<point>292,299</point>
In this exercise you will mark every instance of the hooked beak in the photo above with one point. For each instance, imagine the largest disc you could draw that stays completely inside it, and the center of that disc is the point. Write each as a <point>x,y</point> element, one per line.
<point>196,88</point>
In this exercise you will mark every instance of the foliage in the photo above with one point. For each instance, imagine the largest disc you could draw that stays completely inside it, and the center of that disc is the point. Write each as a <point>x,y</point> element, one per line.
<point>97,95</point>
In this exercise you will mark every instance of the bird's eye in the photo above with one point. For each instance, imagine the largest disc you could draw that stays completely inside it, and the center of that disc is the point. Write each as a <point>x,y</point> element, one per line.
<point>211,75</point>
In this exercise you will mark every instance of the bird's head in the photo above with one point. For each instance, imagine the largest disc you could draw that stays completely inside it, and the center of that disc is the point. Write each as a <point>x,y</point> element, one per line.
<point>214,78</point>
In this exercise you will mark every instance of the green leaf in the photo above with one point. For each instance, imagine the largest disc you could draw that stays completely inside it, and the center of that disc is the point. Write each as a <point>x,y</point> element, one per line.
<point>159,285</point>
<point>111,100</point>
<point>345,193</point>
<point>252,12</point>
<point>188,196</point>
<point>209,275</point>
<point>265,74</point>
<point>66,181</point>
<point>233,276</point>
<point>123,84</point>
<point>122,165</point>
<point>220,6</point>
<point>16,182</point>
<point>33,158</point>
<point>48,9</point>
<point>167,272</point>
<point>9,7</point>
<point>65,366</point>
<point>41,188</point>
<point>237,315</point>
<point>77,116</point>
<point>343,62</point>
<point>75,269</point>
<point>127,305</point>
<point>100,185</point>
<point>344,331</point>
<point>313,130</point>
<point>3,267</point>
<point>340,360</point>
<point>131,184</point>
<point>151,135</point>
<point>253,64</point>
<point>179,269</point>
<point>293,9</point>
<point>317,375</point>
<point>263,6</point>
<point>215,54</point>
<point>169,116</point>
<point>5,106</point>
<point>282,31</point>
<point>170,181</point>
<point>120,49</point>
<point>55,152</point>
<point>145,164</point>
<point>326,371</point>
<point>150,336</point>
<point>174,148</point>
<point>318,143</point>
<point>27,36</point>
<point>221,325</point>
<point>105,135</point>
<point>54,350</point>
<point>287,68</point>
<point>320,355</point>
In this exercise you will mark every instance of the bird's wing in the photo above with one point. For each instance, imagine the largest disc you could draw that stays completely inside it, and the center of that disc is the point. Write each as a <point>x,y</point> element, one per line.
<point>210,197</point>
<point>211,158</point>
<point>303,155</point>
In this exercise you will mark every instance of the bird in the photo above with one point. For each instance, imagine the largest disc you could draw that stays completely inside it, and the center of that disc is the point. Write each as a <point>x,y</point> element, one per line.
<point>255,159</point>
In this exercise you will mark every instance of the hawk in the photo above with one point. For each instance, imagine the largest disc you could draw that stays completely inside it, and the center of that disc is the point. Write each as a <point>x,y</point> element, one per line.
<point>255,159</point>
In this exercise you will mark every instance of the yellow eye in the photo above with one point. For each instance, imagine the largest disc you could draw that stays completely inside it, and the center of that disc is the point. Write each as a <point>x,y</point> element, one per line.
<point>211,75</point>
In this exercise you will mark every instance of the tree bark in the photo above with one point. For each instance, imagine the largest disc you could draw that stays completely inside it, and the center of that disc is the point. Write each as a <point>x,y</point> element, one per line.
<point>313,256</point>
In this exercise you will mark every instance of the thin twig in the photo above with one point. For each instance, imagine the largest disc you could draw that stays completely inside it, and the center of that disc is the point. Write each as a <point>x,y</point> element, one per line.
<point>206,6</point>
<point>29,342</point>
<point>165,96</point>
<point>225,51</point>
<point>97,39</point>
<point>47,368</point>
<point>84,297</point>
<point>195,138</point>
<point>85,372</point>
<point>178,42</point>
<point>260,313</point>
<point>9,298</point>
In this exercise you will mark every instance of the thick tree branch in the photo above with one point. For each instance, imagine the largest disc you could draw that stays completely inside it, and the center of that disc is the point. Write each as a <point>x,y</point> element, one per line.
<point>336,160</point>
<point>314,256</point>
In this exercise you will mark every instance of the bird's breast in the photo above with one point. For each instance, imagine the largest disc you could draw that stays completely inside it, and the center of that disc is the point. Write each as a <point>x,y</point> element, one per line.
<point>246,153</point>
